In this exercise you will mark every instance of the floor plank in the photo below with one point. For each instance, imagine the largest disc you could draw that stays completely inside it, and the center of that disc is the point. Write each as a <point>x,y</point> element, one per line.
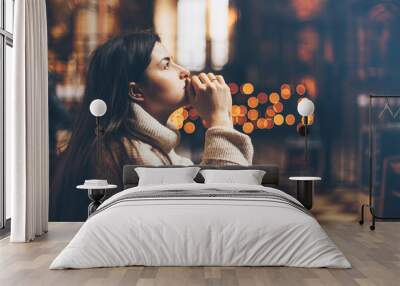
<point>375,257</point>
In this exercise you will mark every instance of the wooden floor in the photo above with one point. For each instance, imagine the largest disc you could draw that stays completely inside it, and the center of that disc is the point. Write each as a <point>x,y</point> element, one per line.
<point>375,257</point>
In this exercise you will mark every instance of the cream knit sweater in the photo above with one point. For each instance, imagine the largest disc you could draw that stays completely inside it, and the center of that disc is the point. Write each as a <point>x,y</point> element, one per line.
<point>155,143</point>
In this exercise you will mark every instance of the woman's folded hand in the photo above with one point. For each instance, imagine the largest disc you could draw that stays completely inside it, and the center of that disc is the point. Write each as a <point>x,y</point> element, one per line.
<point>211,97</point>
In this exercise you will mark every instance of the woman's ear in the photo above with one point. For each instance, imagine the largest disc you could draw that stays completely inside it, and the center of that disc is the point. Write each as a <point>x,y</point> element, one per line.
<point>135,93</point>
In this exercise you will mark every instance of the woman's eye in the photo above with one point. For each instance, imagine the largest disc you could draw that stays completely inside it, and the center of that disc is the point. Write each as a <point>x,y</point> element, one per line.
<point>166,65</point>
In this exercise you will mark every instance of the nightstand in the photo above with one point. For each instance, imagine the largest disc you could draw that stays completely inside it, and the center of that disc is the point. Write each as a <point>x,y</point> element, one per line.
<point>305,189</point>
<point>96,193</point>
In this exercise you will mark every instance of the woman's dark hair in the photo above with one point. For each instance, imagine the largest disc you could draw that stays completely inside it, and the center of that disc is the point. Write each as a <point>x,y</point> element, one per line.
<point>112,66</point>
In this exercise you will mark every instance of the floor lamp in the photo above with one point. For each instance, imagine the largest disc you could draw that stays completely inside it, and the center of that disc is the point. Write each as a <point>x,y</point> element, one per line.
<point>305,108</point>
<point>96,192</point>
<point>98,108</point>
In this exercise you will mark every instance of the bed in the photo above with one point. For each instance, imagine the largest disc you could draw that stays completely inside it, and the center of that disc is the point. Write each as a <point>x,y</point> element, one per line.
<point>201,224</point>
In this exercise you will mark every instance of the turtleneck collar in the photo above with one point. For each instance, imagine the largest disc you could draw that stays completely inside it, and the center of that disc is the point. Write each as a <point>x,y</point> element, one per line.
<point>150,130</point>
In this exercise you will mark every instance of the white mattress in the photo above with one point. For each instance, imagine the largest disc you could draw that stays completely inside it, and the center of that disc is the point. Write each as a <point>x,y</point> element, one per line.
<point>191,231</point>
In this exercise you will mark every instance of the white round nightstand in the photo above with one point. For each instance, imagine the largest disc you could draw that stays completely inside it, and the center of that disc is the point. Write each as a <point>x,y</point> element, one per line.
<point>305,189</point>
<point>96,195</point>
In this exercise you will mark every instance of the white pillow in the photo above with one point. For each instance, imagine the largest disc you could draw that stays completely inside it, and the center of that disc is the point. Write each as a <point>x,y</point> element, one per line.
<point>249,177</point>
<point>163,176</point>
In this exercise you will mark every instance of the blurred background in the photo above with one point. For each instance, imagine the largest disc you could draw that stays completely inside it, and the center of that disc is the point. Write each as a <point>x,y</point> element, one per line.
<point>272,53</point>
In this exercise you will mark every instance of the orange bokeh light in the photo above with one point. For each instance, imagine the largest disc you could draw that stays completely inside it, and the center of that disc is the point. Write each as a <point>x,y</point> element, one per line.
<point>300,89</point>
<point>189,127</point>
<point>252,114</point>
<point>235,110</point>
<point>248,127</point>
<point>270,123</point>
<point>274,97</point>
<point>270,111</point>
<point>262,123</point>
<point>247,88</point>
<point>278,119</point>
<point>290,119</point>
<point>310,119</point>
<point>233,87</point>
<point>286,93</point>
<point>278,107</point>
<point>252,102</point>
<point>241,120</point>
<point>185,114</point>
<point>262,98</point>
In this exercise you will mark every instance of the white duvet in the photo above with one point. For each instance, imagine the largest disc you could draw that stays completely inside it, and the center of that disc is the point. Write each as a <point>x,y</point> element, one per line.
<point>192,231</point>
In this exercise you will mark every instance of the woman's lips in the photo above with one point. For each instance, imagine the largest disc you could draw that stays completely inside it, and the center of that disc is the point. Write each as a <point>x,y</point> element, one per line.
<point>188,88</point>
<point>187,82</point>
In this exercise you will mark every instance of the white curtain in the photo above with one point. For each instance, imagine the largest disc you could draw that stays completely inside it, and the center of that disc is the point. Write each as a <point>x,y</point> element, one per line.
<point>27,124</point>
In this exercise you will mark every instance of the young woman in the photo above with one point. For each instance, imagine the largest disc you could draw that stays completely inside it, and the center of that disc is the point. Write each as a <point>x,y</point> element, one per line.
<point>141,85</point>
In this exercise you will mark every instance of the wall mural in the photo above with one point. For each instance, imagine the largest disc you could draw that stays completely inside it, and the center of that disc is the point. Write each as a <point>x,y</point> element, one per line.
<point>271,55</point>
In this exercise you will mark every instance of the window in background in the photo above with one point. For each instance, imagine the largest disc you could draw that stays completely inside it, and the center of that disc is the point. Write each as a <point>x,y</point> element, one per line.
<point>218,27</point>
<point>192,34</point>
<point>201,32</point>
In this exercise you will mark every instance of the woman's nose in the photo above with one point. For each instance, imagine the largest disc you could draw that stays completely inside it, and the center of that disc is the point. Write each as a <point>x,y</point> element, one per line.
<point>184,73</point>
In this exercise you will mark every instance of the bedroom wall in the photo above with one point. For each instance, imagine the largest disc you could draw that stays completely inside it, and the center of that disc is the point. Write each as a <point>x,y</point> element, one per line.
<point>275,53</point>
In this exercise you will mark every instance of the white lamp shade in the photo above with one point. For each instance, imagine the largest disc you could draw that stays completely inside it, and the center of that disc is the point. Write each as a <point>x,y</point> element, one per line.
<point>305,107</point>
<point>98,107</point>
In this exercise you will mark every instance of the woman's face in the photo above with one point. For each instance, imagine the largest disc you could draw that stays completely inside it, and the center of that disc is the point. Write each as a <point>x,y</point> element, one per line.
<point>164,87</point>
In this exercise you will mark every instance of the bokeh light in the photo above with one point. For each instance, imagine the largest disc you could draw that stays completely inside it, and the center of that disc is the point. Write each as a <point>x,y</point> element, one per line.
<point>278,107</point>
<point>278,119</point>
<point>177,118</point>
<point>185,114</point>
<point>241,120</point>
<point>233,87</point>
<point>262,123</point>
<point>290,119</point>
<point>248,127</point>
<point>270,112</point>
<point>189,127</point>
<point>310,120</point>
<point>252,102</point>
<point>274,97</point>
<point>247,88</point>
<point>235,110</point>
<point>270,123</point>
<point>243,110</point>
<point>300,89</point>
<point>252,114</point>
<point>262,98</point>
<point>286,93</point>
